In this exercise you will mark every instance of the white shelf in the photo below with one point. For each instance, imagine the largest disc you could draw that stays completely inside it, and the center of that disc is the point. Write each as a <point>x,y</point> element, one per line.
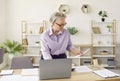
<point>33,23</point>
<point>107,34</point>
<point>106,65</point>
<point>103,55</point>
<point>32,55</point>
<point>31,46</point>
<point>99,22</point>
<point>104,45</point>
<point>32,34</point>
<point>79,57</point>
<point>35,64</point>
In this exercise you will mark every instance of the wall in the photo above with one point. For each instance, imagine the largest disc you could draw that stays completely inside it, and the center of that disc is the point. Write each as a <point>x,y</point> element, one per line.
<point>2,20</point>
<point>38,10</point>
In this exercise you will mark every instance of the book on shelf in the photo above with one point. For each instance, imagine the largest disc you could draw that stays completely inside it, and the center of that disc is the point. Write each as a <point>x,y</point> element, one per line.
<point>87,62</point>
<point>96,30</point>
<point>24,42</point>
<point>110,62</point>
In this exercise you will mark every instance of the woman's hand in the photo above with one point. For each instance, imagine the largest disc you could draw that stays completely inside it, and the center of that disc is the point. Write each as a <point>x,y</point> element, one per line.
<point>76,52</point>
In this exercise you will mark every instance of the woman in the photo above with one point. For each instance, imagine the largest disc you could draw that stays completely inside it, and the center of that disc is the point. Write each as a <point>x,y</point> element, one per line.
<point>56,40</point>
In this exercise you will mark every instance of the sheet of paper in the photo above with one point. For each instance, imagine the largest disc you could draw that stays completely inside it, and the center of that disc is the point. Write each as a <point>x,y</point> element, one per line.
<point>83,53</point>
<point>10,78</point>
<point>106,73</point>
<point>82,69</point>
<point>19,78</point>
<point>6,72</point>
<point>29,71</point>
<point>29,78</point>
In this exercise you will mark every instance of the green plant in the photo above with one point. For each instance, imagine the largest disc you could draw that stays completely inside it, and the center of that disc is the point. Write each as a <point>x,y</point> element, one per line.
<point>37,42</point>
<point>102,13</point>
<point>109,27</point>
<point>72,30</point>
<point>12,47</point>
<point>1,46</point>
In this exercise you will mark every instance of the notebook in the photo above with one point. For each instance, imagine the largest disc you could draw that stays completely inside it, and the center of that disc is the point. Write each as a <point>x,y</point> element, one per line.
<point>82,69</point>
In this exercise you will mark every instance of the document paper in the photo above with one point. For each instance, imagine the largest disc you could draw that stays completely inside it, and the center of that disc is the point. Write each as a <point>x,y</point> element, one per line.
<point>6,72</point>
<point>81,69</point>
<point>106,73</point>
<point>29,71</point>
<point>19,78</point>
<point>83,53</point>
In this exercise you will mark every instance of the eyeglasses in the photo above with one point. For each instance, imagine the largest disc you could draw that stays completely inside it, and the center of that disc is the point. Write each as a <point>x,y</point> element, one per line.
<point>61,24</point>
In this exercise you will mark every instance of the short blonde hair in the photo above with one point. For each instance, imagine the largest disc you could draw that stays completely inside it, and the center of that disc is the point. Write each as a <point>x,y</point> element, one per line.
<point>55,16</point>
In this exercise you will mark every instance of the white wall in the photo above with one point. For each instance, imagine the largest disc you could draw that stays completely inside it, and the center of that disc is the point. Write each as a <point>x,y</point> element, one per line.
<point>2,20</point>
<point>38,10</point>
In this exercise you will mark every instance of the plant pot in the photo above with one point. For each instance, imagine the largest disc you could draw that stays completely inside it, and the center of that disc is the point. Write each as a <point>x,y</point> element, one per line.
<point>10,57</point>
<point>103,19</point>
<point>4,64</point>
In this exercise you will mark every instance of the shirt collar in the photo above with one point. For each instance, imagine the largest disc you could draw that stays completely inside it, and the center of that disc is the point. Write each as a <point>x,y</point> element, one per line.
<point>51,32</point>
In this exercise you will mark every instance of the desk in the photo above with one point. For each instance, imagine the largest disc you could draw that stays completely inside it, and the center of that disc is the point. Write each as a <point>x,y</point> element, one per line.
<point>89,76</point>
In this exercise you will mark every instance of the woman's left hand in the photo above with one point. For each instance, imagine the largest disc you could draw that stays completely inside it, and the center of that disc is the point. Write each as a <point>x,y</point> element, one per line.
<point>79,52</point>
<point>76,52</point>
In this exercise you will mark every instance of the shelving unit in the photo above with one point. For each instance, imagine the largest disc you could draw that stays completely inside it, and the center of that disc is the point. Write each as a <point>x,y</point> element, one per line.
<point>31,34</point>
<point>81,60</point>
<point>103,42</point>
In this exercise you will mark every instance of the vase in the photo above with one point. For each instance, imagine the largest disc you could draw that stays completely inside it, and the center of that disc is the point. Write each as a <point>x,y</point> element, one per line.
<point>4,64</point>
<point>103,19</point>
<point>10,57</point>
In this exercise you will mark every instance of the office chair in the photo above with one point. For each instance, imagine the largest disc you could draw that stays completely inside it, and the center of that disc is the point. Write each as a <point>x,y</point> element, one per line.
<point>21,63</point>
<point>1,55</point>
<point>114,79</point>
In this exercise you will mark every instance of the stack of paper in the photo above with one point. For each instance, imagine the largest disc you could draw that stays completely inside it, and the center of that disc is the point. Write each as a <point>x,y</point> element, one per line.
<point>10,78</point>
<point>29,78</point>
<point>82,69</point>
<point>6,72</point>
<point>106,73</point>
<point>29,71</point>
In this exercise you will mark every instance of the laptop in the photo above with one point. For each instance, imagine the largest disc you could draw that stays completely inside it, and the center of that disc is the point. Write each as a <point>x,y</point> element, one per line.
<point>55,69</point>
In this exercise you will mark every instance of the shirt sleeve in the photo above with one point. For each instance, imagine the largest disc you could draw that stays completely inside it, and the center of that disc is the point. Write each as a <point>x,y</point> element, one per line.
<point>45,49</point>
<point>69,46</point>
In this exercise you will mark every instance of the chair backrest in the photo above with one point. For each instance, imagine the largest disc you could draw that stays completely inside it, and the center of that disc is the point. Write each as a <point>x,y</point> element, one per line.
<point>21,63</point>
<point>114,79</point>
<point>1,55</point>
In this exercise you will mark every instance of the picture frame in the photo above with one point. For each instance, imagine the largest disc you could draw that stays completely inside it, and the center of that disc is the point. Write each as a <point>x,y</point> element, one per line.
<point>24,42</point>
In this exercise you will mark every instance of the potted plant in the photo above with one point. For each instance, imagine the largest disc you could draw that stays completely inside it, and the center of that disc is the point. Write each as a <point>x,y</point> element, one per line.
<point>12,48</point>
<point>103,14</point>
<point>37,43</point>
<point>109,27</point>
<point>4,58</point>
<point>72,30</point>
